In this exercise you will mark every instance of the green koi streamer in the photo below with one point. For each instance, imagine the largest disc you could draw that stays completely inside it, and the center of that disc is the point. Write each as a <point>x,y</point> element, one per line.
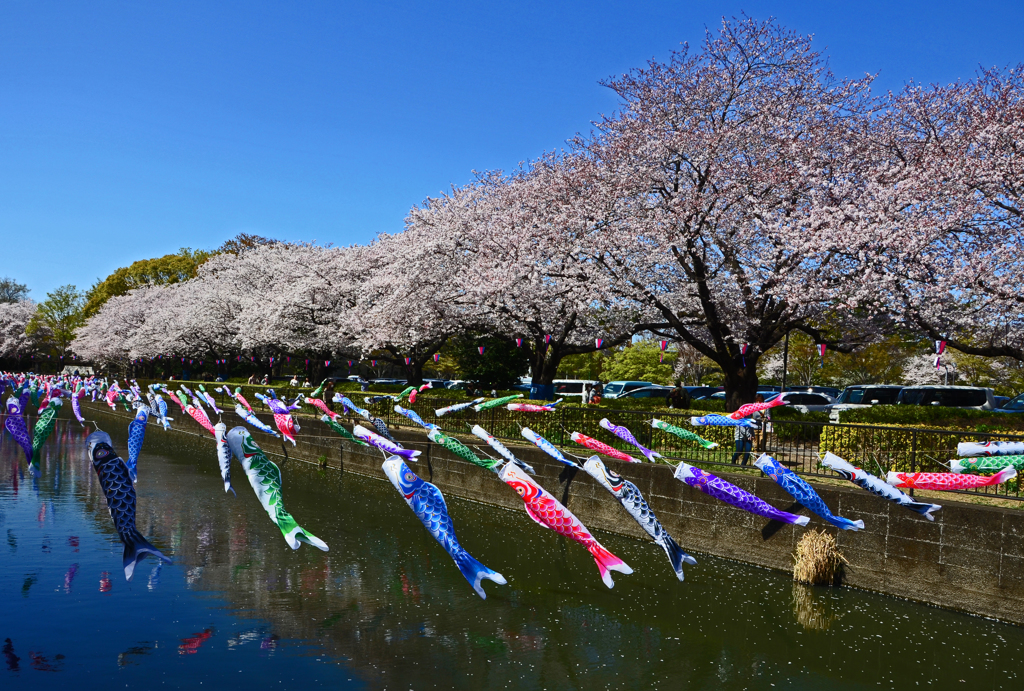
<point>265,478</point>
<point>345,434</point>
<point>683,434</point>
<point>461,450</point>
<point>986,465</point>
<point>495,402</point>
<point>44,426</point>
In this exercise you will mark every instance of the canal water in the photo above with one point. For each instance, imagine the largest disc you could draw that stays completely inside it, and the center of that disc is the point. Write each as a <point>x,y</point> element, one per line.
<point>386,607</point>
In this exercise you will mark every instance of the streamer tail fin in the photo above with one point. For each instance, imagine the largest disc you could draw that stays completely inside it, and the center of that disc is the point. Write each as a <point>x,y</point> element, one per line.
<point>475,572</point>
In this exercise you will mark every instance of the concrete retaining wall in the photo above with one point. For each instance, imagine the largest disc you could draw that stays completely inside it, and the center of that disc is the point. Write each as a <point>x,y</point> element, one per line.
<point>971,558</point>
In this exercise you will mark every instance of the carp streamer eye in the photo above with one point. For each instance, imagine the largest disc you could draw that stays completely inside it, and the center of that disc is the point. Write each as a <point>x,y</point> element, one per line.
<point>409,477</point>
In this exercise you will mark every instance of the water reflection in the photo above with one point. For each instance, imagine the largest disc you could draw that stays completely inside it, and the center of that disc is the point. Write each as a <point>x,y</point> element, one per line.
<point>387,608</point>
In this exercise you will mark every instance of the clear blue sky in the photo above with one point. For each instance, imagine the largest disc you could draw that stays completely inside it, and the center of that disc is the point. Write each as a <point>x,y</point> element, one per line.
<point>128,129</point>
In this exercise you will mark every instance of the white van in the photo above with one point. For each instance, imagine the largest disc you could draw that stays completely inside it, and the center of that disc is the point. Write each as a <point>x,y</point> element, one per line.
<point>571,387</point>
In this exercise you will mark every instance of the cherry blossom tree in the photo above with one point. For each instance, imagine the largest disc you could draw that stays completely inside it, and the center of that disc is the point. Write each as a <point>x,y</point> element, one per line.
<point>709,198</point>
<point>946,203</point>
<point>15,316</point>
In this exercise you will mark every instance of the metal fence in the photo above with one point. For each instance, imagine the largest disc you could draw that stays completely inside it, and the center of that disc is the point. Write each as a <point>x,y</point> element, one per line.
<point>796,444</point>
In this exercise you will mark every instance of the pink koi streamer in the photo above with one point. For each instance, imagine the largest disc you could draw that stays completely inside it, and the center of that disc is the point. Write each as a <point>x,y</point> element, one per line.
<point>199,415</point>
<point>948,481</point>
<point>751,408</point>
<point>601,447</point>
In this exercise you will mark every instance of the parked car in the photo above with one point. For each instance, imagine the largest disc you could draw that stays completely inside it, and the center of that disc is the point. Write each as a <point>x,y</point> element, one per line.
<point>805,402</point>
<point>570,387</point>
<point>1014,405</point>
<point>864,396</point>
<point>766,392</point>
<point>1001,401</point>
<point>615,389</point>
<point>975,397</point>
<point>827,390</point>
<point>701,392</point>
<point>653,391</point>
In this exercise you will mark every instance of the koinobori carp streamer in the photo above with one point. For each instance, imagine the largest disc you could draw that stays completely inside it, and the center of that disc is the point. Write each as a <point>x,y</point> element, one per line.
<point>878,486</point>
<point>599,446</point>
<point>627,436</point>
<point>549,512</point>
<point>948,481</point>
<point>683,433</point>
<point>803,492</point>
<point>635,505</point>
<point>427,502</point>
<point>265,479</point>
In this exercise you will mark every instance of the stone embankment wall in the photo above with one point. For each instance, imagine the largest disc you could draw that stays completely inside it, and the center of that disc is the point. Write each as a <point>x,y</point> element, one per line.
<point>971,558</point>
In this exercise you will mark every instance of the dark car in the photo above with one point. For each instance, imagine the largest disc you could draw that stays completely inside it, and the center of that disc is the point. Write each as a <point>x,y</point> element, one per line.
<point>701,392</point>
<point>648,392</point>
<point>1014,405</point>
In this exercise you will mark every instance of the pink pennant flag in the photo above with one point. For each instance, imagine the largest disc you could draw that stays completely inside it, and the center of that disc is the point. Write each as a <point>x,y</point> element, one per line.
<point>481,349</point>
<point>547,338</point>
<point>408,361</point>
<point>599,342</point>
<point>940,347</point>
<point>437,356</point>
<point>327,363</point>
<point>519,343</point>
<point>664,345</point>
<point>661,357</point>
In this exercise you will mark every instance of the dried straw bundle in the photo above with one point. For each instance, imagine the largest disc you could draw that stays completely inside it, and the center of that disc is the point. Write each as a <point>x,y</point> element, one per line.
<point>817,560</point>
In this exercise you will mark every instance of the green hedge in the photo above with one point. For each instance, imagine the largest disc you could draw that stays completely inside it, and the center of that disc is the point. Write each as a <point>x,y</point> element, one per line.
<point>934,417</point>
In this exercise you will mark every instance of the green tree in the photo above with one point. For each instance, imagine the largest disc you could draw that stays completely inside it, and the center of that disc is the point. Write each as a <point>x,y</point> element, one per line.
<point>57,319</point>
<point>499,367</point>
<point>640,361</point>
<point>12,291</point>
<point>170,268</point>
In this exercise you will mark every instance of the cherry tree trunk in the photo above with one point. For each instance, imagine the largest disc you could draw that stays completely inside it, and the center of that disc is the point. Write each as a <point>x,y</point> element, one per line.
<point>740,382</point>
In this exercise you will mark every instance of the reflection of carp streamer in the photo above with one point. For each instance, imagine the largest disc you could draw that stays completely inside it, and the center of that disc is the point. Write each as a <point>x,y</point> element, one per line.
<point>265,478</point>
<point>634,504</point>
<point>877,486</point>
<point>427,502</point>
<point>15,424</point>
<point>803,492</point>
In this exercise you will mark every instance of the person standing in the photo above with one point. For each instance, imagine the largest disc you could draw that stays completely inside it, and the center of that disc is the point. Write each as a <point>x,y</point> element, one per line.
<point>744,443</point>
